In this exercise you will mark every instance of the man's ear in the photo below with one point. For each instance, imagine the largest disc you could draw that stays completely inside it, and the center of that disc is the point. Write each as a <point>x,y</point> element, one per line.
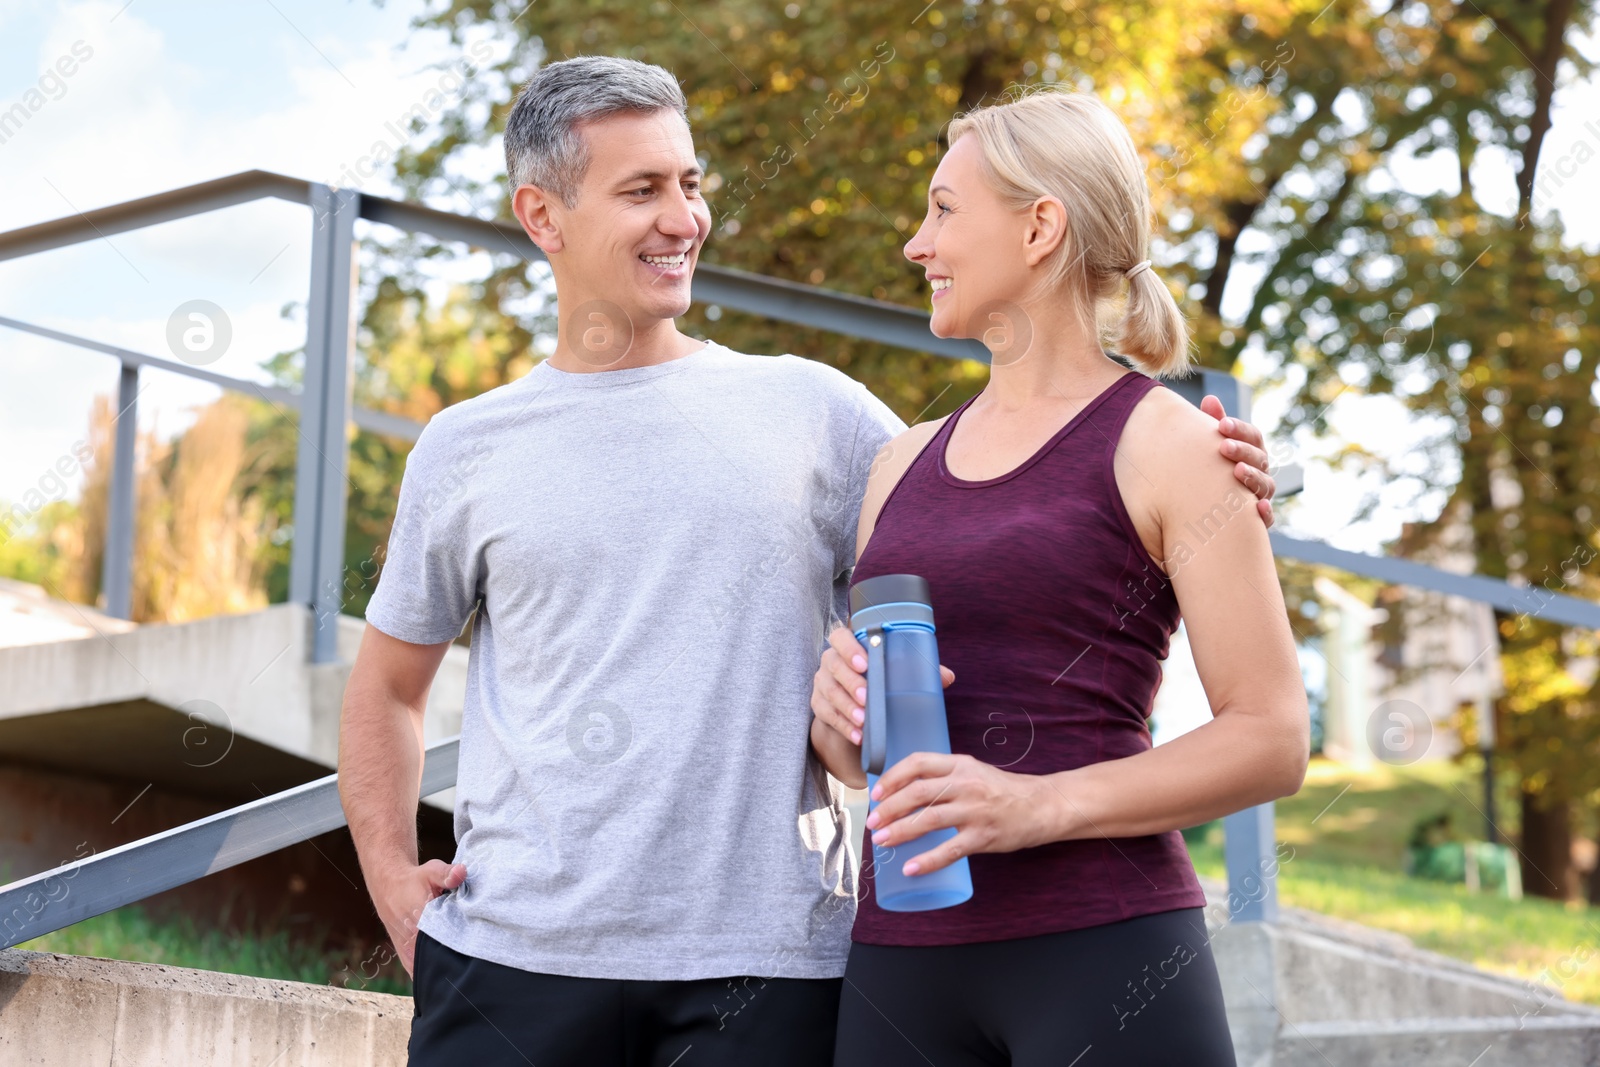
<point>536,210</point>
<point>1046,229</point>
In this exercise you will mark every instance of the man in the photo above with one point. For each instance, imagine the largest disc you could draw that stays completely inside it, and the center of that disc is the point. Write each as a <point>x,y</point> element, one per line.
<point>655,534</point>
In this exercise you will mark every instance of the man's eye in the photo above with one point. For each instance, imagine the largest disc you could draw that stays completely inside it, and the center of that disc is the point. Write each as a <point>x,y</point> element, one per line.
<point>646,191</point>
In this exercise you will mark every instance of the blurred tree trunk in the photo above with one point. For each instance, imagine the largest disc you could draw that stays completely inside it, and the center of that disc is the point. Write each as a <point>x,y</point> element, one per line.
<point>1591,888</point>
<point>1546,846</point>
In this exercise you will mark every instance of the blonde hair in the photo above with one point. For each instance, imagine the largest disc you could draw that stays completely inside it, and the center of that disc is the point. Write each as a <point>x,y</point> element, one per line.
<point>1070,145</point>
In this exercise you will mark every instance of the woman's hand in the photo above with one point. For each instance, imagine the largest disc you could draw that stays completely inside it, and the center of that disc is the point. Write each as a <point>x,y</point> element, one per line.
<point>992,810</point>
<point>839,688</point>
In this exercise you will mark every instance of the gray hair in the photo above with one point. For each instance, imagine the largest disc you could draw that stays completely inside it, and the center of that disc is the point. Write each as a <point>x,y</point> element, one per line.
<point>543,145</point>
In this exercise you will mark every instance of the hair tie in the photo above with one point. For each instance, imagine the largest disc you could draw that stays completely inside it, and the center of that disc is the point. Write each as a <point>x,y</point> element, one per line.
<point>1133,271</point>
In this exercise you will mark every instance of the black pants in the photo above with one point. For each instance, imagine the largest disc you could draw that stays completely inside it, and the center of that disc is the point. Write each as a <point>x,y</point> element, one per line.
<point>1140,991</point>
<point>480,1014</point>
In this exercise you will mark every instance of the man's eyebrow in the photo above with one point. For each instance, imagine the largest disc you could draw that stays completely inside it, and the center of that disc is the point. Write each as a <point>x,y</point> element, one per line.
<point>661,175</point>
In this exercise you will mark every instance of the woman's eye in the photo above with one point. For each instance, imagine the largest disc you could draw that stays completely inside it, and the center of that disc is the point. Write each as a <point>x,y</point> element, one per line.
<point>943,209</point>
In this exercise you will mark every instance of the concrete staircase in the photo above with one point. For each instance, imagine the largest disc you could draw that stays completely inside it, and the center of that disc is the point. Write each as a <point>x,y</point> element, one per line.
<point>1312,990</point>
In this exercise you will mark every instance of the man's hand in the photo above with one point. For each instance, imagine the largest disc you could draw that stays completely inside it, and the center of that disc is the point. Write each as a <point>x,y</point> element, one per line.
<point>401,895</point>
<point>1242,443</point>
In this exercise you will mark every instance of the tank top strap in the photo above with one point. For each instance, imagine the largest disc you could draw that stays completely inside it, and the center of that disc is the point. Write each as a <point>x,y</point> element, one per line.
<point>924,466</point>
<point>936,446</point>
<point>1113,407</point>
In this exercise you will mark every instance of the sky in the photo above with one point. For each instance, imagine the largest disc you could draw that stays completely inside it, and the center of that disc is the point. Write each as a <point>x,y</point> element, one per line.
<point>167,94</point>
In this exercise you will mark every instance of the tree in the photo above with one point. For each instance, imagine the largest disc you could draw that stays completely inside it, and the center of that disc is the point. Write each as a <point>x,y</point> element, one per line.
<point>1476,319</point>
<point>1274,131</point>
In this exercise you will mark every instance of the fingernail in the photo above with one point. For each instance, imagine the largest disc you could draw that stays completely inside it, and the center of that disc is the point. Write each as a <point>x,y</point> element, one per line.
<point>872,820</point>
<point>858,663</point>
<point>855,737</point>
<point>911,867</point>
<point>861,694</point>
<point>1227,425</point>
<point>858,715</point>
<point>880,837</point>
<point>877,792</point>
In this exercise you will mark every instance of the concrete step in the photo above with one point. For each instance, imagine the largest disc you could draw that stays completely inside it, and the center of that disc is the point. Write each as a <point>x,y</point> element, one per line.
<point>1504,1041</point>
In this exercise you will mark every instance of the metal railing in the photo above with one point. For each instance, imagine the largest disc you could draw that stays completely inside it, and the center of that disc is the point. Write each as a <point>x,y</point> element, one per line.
<point>324,403</point>
<point>55,899</point>
<point>131,872</point>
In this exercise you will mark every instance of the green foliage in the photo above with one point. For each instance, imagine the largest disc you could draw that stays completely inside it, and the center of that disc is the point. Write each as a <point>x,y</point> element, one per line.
<point>131,933</point>
<point>30,554</point>
<point>820,124</point>
<point>1345,835</point>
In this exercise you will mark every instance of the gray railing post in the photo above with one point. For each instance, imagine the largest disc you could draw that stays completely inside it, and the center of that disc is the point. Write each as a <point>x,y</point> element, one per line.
<point>1249,844</point>
<point>316,562</point>
<point>1249,849</point>
<point>116,568</point>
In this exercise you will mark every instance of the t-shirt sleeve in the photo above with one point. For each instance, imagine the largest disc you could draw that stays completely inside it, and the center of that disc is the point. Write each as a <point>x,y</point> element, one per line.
<point>876,426</point>
<point>430,579</point>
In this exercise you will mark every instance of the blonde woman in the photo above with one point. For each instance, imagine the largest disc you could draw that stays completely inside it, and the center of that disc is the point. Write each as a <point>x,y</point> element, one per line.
<point>1064,518</point>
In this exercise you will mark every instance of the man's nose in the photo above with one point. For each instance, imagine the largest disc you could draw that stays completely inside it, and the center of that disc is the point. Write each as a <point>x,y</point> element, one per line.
<point>677,217</point>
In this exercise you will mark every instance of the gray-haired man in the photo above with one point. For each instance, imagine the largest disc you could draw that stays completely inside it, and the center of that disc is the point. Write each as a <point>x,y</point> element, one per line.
<point>656,533</point>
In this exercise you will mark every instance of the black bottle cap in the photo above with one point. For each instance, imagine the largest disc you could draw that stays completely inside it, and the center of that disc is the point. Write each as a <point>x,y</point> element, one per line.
<point>890,589</point>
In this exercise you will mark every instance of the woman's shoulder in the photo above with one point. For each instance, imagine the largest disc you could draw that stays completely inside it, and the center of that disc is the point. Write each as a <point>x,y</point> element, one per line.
<point>1170,469</point>
<point>888,467</point>
<point>900,450</point>
<point>1171,432</point>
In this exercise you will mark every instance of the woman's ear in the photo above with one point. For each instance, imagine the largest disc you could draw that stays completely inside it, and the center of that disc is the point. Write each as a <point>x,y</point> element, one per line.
<point>1046,229</point>
<point>534,208</point>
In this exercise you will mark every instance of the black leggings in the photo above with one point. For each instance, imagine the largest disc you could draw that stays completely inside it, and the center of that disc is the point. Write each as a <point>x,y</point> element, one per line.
<point>1140,991</point>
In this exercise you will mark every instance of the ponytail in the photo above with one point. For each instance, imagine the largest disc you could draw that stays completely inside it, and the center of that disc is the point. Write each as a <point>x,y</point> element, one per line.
<point>1153,333</point>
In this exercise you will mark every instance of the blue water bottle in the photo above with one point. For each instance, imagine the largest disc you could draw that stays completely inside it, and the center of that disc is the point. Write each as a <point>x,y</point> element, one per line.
<point>892,617</point>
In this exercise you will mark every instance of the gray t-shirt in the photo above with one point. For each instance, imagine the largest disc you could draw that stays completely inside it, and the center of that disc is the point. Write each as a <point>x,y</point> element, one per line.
<point>656,554</point>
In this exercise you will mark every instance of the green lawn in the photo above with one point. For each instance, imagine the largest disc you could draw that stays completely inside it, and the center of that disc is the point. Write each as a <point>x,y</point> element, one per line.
<point>131,934</point>
<point>1348,833</point>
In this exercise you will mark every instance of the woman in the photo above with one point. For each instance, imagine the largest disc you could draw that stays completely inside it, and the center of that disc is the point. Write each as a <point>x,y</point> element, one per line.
<point>1063,517</point>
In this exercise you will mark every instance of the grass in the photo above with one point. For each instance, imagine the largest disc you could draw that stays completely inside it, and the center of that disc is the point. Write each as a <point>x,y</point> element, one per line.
<point>1348,832</point>
<point>130,933</point>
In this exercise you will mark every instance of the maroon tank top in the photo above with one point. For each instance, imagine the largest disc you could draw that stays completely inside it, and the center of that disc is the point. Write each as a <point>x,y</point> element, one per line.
<point>1055,620</point>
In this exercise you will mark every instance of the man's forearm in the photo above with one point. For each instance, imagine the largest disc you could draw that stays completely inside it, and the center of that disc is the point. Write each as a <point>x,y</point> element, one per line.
<point>380,775</point>
<point>842,759</point>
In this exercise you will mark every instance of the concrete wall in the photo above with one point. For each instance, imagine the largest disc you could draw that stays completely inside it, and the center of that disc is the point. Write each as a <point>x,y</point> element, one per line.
<point>73,1011</point>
